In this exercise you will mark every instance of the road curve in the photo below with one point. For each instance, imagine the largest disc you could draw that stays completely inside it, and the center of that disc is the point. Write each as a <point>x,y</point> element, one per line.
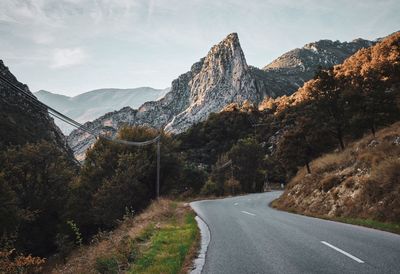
<point>247,236</point>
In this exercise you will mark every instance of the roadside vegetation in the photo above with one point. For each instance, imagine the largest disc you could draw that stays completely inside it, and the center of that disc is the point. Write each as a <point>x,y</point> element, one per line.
<point>162,239</point>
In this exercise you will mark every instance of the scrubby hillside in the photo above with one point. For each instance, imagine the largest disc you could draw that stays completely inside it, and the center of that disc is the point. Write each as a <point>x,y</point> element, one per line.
<point>363,181</point>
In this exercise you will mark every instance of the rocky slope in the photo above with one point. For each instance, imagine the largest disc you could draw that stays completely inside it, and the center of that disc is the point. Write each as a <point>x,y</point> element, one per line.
<point>361,182</point>
<point>221,78</point>
<point>21,121</point>
<point>93,104</point>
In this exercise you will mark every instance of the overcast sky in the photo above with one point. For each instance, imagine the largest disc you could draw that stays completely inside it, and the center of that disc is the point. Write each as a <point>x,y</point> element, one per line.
<point>73,46</point>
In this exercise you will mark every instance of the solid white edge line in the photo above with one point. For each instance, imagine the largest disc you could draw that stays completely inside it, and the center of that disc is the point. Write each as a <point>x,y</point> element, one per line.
<point>343,252</point>
<point>205,237</point>
<point>245,212</point>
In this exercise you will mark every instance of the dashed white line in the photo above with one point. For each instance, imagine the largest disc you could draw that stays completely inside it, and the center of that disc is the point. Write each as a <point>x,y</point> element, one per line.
<point>343,252</point>
<point>245,212</point>
<point>235,203</point>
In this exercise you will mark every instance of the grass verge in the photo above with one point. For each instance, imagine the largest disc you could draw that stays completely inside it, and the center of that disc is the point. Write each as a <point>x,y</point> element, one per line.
<point>390,227</point>
<point>164,238</point>
<point>385,226</point>
<point>167,247</point>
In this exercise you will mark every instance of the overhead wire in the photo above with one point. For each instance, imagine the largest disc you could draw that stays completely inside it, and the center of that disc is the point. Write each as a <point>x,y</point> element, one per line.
<point>43,107</point>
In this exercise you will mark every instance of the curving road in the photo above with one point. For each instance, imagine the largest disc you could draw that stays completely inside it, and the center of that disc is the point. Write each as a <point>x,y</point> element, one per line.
<point>247,236</point>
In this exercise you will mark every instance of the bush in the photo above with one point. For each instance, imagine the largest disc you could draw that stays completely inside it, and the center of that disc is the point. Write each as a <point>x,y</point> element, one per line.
<point>10,262</point>
<point>231,186</point>
<point>209,188</point>
<point>107,265</point>
<point>329,182</point>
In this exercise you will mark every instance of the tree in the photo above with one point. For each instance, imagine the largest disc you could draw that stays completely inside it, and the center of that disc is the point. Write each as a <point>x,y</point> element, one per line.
<point>109,180</point>
<point>302,143</point>
<point>35,179</point>
<point>331,107</point>
<point>247,159</point>
<point>117,177</point>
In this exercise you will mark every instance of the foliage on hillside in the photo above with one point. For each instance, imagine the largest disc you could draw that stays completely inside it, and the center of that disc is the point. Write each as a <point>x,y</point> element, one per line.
<point>117,178</point>
<point>34,181</point>
<point>363,181</point>
<point>205,141</point>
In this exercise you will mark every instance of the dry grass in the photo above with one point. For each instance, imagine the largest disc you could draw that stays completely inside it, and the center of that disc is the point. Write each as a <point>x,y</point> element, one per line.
<point>363,181</point>
<point>118,243</point>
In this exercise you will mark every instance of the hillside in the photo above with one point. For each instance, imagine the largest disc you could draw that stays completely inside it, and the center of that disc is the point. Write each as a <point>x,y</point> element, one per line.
<point>93,104</point>
<point>36,168</point>
<point>21,122</point>
<point>220,78</point>
<point>338,106</point>
<point>363,181</point>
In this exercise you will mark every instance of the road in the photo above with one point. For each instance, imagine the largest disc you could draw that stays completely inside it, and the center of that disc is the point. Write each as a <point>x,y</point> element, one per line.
<point>247,236</point>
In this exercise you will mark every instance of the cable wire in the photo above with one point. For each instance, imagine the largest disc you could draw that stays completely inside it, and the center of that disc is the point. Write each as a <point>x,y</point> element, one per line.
<point>43,107</point>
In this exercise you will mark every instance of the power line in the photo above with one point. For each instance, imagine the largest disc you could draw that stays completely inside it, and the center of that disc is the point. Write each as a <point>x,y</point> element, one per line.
<point>43,106</point>
<point>47,109</point>
<point>70,121</point>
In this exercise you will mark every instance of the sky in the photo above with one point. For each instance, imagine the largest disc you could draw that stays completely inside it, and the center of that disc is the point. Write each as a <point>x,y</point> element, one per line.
<point>73,46</point>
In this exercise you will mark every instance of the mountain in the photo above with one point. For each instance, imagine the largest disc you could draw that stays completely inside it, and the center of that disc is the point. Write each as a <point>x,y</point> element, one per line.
<point>21,122</point>
<point>290,71</point>
<point>90,105</point>
<point>220,78</point>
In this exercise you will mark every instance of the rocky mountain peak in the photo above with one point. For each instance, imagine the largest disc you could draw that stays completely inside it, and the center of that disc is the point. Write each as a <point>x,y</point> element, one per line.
<point>224,78</point>
<point>221,78</point>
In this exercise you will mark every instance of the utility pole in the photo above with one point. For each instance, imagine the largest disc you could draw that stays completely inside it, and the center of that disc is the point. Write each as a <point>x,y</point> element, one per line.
<point>158,169</point>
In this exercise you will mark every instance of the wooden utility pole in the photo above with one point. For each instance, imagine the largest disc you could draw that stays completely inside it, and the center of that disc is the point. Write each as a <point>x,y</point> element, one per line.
<point>158,170</point>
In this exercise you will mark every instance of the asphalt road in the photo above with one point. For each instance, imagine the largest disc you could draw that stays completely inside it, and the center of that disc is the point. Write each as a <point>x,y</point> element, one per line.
<point>247,236</point>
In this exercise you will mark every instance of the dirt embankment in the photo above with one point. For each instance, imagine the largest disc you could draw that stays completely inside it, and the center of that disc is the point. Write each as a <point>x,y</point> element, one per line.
<point>363,181</point>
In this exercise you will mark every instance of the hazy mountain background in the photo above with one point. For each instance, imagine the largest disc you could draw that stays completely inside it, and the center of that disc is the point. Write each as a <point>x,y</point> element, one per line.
<point>93,104</point>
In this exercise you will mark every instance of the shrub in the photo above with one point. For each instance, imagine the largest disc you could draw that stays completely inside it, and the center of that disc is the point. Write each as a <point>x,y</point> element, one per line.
<point>231,186</point>
<point>107,265</point>
<point>329,182</point>
<point>209,188</point>
<point>10,262</point>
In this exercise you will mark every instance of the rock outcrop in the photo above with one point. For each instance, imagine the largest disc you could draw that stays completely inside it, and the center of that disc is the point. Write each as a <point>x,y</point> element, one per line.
<point>221,78</point>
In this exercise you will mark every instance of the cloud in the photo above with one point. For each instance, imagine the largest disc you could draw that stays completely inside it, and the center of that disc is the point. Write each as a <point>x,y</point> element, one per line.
<point>68,57</point>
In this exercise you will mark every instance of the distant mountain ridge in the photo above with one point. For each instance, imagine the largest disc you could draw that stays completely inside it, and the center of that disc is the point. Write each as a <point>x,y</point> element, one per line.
<point>221,78</point>
<point>93,104</point>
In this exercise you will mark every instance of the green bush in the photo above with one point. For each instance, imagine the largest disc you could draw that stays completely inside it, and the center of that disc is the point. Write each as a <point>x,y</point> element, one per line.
<point>107,265</point>
<point>209,188</point>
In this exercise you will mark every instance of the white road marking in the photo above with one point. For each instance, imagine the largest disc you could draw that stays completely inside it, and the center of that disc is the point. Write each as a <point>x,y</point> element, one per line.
<point>343,252</point>
<point>235,204</point>
<point>245,212</point>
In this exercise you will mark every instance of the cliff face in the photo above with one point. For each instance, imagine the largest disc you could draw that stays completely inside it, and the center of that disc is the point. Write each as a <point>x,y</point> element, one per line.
<point>221,78</point>
<point>21,121</point>
<point>224,78</point>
